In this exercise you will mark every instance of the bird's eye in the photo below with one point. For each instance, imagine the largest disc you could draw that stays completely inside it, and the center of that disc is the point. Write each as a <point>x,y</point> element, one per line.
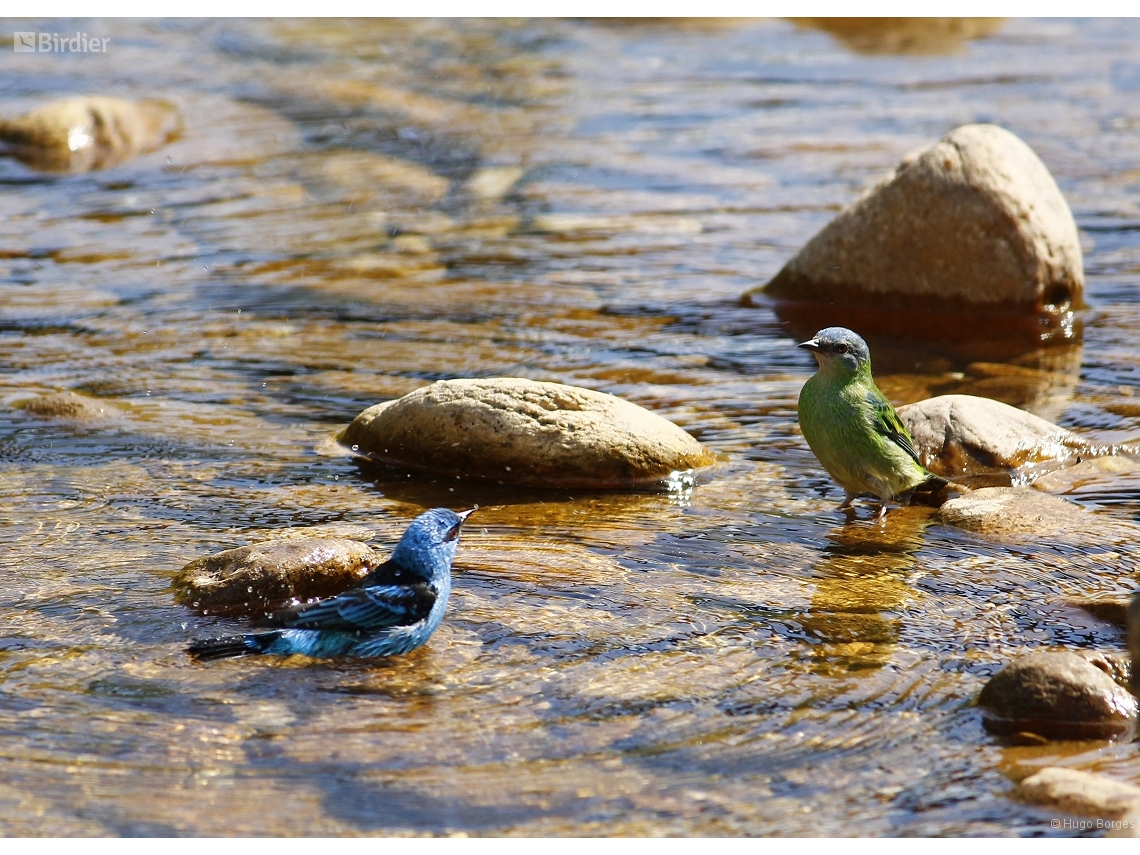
<point>841,348</point>
<point>452,533</point>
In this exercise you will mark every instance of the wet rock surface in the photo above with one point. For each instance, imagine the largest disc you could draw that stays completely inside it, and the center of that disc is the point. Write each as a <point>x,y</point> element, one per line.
<point>975,220</point>
<point>520,431</point>
<point>1057,696</point>
<point>1082,793</point>
<point>68,406</point>
<point>84,133</point>
<point>964,435</point>
<point>1016,512</point>
<point>256,579</point>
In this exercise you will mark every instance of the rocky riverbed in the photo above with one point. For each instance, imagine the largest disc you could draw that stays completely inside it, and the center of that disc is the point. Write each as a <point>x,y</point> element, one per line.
<point>279,226</point>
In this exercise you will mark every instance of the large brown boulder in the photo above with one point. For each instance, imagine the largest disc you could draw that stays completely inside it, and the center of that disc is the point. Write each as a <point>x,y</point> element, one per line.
<point>512,430</point>
<point>82,133</point>
<point>976,220</point>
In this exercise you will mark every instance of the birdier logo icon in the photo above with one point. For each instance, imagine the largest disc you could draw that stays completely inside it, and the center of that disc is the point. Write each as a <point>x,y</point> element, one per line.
<point>34,42</point>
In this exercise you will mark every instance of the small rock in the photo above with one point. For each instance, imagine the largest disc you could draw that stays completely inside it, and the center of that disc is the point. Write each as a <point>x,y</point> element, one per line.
<point>1005,511</point>
<point>1082,793</point>
<point>69,406</point>
<point>1134,641</point>
<point>258,578</point>
<point>974,221</point>
<point>961,435</point>
<point>512,430</point>
<point>1058,696</point>
<point>79,134</point>
<point>1114,611</point>
<point>1091,472</point>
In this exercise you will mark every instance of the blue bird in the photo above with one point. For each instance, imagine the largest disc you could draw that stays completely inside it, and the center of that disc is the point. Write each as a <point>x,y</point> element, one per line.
<point>392,610</point>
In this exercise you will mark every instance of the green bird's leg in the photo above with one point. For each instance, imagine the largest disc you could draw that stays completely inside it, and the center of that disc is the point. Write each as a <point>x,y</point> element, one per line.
<point>848,498</point>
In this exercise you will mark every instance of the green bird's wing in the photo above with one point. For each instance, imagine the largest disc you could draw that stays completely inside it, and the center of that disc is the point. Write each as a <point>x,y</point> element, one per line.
<point>887,422</point>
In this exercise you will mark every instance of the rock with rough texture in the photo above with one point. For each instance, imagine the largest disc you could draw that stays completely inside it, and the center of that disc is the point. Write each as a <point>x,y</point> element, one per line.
<point>1057,696</point>
<point>83,133</point>
<point>512,430</point>
<point>1134,641</point>
<point>258,578</point>
<point>1082,793</point>
<point>975,220</point>
<point>1005,511</point>
<point>68,406</point>
<point>960,435</point>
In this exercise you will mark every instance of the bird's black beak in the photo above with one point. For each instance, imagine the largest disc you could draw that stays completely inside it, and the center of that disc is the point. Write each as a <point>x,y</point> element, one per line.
<point>463,515</point>
<point>812,345</point>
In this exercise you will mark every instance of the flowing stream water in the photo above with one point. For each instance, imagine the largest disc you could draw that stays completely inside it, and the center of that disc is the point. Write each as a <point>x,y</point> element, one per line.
<point>354,210</point>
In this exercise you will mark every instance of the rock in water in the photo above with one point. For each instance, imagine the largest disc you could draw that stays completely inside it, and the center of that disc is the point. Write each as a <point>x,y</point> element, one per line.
<point>68,406</point>
<point>79,134</point>
<point>1083,793</point>
<point>1057,696</point>
<point>975,223</point>
<point>256,579</point>
<point>512,430</point>
<point>962,435</point>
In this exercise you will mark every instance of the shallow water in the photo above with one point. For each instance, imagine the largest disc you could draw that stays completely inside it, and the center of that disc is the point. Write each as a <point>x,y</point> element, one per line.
<point>356,210</point>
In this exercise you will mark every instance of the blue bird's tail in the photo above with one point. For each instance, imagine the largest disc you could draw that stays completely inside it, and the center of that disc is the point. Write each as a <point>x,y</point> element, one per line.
<point>231,645</point>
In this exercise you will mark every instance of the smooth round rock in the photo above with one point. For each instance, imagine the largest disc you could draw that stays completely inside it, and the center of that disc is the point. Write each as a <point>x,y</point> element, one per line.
<point>69,406</point>
<point>958,435</point>
<point>975,220</point>
<point>83,133</point>
<point>258,578</point>
<point>1004,511</point>
<point>1082,793</point>
<point>518,431</point>
<point>1058,696</point>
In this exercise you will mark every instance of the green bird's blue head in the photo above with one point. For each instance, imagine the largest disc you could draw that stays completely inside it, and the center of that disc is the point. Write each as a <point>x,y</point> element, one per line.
<point>839,352</point>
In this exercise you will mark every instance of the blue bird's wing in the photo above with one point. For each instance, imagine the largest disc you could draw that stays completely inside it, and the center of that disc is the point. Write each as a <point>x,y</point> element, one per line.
<point>887,422</point>
<point>363,609</point>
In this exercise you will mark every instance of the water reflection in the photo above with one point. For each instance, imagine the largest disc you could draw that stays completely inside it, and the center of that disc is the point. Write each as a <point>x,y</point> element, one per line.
<point>863,574</point>
<point>904,36</point>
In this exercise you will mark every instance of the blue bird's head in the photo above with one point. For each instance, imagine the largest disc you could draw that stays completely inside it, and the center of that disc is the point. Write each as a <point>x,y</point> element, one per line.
<point>428,546</point>
<point>839,352</point>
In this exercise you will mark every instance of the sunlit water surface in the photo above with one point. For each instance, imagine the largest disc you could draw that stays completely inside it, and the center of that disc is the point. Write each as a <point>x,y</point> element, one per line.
<point>354,211</point>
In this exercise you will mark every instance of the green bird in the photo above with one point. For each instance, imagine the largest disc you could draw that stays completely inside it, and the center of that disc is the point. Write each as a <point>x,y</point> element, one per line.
<point>852,427</point>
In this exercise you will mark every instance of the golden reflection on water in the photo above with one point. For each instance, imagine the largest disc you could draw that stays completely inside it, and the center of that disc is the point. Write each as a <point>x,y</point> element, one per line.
<point>352,212</point>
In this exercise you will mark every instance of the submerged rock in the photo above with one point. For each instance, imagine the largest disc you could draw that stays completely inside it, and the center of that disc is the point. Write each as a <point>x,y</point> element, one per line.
<point>1057,696</point>
<point>1004,511</point>
<point>1109,610</point>
<point>973,223</point>
<point>962,435</point>
<point>1081,793</point>
<point>68,406</point>
<point>83,133</point>
<point>258,578</point>
<point>512,430</point>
